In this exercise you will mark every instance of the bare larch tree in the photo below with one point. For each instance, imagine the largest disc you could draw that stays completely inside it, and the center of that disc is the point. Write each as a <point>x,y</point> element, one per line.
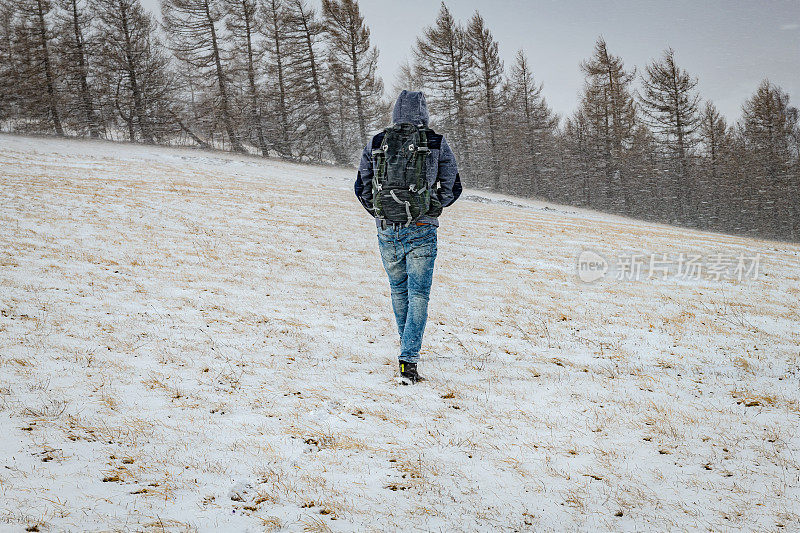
<point>488,74</point>
<point>193,28</point>
<point>356,61</point>
<point>244,26</point>
<point>443,59</point>
<point>305,35</point>
<point>75,25</point>
<point>126,31</point>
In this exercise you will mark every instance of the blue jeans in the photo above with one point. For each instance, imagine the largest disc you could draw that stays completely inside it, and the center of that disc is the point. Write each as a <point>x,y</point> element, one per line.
<point>408,255</point>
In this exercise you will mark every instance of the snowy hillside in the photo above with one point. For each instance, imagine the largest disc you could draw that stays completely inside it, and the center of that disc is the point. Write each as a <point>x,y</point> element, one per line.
<point>186,345</point>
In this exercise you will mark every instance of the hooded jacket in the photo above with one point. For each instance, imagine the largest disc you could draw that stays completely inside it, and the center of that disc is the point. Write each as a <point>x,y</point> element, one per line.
<point>411,107</point>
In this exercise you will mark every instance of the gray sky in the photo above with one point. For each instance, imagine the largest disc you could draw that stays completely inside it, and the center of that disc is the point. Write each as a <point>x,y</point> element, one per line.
<point>730,45</point>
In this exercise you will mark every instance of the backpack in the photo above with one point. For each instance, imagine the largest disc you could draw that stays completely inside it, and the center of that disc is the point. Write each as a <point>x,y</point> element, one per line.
<point>400,191</point>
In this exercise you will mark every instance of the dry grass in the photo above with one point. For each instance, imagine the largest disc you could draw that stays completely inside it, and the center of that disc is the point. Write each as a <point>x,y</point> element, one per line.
<point>173,322</point>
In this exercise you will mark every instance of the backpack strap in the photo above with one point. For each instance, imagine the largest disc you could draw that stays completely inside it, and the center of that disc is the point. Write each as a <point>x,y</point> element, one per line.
<point>379,170</point>
<point>434,143</point>
<point>420,154</point>
<point>379,158</point>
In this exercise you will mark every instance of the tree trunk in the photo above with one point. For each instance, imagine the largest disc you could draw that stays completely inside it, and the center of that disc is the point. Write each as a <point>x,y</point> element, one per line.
<point>362,123</point>
<point>251,75</point>
<point>283,146</point>
<point>236,146</point>
<point>461,125</point>
<point>190,133</point>
<point>492,140</point>
<point>338,155</point>
<point>51,90</point>
<point>86,97</point>
<point>141,116</point>
<point>128,119</point>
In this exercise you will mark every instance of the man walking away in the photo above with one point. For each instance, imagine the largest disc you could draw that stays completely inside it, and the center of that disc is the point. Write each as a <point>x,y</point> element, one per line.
<point>407,175</point>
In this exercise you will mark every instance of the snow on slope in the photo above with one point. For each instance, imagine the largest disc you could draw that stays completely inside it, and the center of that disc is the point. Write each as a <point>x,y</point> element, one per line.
<point>186,345</point>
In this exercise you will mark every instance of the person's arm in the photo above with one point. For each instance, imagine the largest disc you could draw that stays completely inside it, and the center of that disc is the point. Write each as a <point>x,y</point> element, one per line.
<point>363,185</point>
<point>449,180</point>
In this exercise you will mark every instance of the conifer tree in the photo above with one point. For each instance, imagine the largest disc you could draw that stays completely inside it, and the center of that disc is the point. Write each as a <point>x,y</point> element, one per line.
<point>355,61</point>
<point>609,111</point>
<point>713,132</point>
<point>577,161</point>
<point>128,47</point>
<point>284,121</point>
<point>488,73</point>
<point>75,41</point>
<point>39,88</point>
<point>9,64</point>
<point>194,27</point>
<point>769,128</point>
<point>307,79</point>
<point>716,176</point>
<point>244,28</point>
<point>768,125</point>
<point>670,104</point>
<point>408,77</point>
<point>534,126</point>
<point>443,59</point>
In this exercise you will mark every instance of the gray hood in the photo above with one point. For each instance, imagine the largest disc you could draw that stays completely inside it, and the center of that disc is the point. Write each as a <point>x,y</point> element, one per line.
<point>410,107</point>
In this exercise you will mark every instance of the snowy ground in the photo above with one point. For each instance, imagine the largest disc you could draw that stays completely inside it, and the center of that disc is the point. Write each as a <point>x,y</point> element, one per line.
<point>185,345</point>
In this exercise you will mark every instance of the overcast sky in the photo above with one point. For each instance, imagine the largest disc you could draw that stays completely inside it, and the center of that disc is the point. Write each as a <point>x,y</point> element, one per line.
<point>730,45</point>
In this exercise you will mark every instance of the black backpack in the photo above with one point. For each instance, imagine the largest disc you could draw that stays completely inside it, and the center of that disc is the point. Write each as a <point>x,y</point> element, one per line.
<point>400,191</point>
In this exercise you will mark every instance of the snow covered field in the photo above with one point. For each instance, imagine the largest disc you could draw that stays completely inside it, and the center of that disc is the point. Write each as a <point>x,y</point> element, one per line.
<point>185,346</point>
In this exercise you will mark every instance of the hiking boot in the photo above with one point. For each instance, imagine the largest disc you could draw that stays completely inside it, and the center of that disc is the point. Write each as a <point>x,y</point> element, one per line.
<point>408,373</point>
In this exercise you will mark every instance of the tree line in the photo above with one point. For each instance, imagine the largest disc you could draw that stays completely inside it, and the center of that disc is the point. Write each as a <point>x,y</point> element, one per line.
<point>266,76</point>
<point>280,79</point>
